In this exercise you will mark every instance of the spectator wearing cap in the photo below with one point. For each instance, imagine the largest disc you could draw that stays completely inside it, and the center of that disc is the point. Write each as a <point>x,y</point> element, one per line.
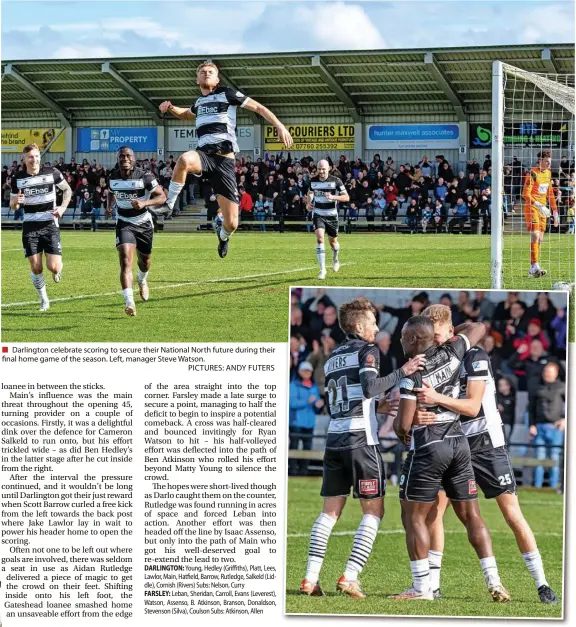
<point>305,403</point>
<point>547,418</point>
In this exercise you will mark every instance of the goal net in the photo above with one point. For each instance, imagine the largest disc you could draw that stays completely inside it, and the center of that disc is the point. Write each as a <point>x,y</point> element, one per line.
<point>532,113</point>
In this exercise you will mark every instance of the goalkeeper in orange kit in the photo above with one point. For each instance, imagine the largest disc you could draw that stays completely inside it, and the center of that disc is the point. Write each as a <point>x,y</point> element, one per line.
<point>538,196</point>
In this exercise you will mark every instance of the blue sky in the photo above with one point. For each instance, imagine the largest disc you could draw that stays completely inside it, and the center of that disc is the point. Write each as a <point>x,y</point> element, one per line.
<point>86,29</point>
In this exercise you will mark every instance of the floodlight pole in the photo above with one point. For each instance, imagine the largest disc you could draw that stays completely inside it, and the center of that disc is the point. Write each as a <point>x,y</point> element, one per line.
<point>497,220</point>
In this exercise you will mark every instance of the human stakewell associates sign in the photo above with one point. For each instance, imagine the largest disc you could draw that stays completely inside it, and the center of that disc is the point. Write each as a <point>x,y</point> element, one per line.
<point>412,136</point>
<point>140,139</point>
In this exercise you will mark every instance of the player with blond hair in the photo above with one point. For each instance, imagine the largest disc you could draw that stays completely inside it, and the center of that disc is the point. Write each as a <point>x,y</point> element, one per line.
<point>34,188</point>
<point>482,424</point>
<point>215,114</point>
<point>538,195</point>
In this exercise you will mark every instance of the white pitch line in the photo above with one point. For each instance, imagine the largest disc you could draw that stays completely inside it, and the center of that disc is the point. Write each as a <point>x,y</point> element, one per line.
<point>170,287</point>
<point>386,532</point>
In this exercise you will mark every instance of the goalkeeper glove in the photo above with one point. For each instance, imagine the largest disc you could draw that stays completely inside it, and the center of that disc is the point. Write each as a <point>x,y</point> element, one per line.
<point>543,209</point>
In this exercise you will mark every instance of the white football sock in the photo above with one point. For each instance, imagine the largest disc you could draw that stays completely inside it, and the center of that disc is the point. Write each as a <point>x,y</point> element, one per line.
<point>173,192</point>
<point>435,561</point>
<point>128,295</point>
<point>39,283</point>
<point>363,541</point>
<point>321,256</point>
<point>420,575</point>
<point>321,531</point>
<point>142,276</point>
<point>490,570</point>
<point>533,561</point>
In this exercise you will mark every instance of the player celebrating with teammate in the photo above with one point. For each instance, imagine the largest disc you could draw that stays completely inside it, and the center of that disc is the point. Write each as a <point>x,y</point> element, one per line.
<point>482,424</point>
<point>537,194</point>
<point>135,193</point>
<point>34,188</point>
<point>352,458</point>
<point>215,115</point>
<point>439,456</point>
<point>326,191</point>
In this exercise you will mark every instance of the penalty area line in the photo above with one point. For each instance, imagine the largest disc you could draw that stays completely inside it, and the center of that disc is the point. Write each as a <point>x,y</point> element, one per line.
<point>170,287</point>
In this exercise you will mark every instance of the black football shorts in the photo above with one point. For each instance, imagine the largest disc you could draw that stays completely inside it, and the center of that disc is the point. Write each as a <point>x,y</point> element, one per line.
<point>141,235</point>
<point>328,223</point>
<point>41,236</point>
<point>493,472</point>
<point>221,171</point>
<point>361,469</point>
<point>446,464</point>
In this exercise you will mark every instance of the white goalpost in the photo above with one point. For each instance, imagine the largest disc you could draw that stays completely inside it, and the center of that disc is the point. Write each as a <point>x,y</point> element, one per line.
<point>531,113</point>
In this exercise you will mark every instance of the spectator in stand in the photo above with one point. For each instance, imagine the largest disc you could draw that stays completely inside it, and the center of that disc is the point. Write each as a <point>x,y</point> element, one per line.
<point>543,309</point>
<point>370,212</point>
<point>260,211</point>
<point>509,198</point>
<point>482,308</point>
<point>547,418</point>
<point>86,205</point>
<point>445,171</point>
<point>473,168</point>
<point>330,318</point>
<point>363,192</point>
<point>96,207</point>
<point>439,215</point>
<point>413,308</point>
<point>391,192</point>
<point>487,163</point>
<point>6,187</point>
<point>389,169</point>
<point>279,210</point>
<point>462,184</point>
<point>459,216</point>
<point>379,202</point>
<point>514,327</point>
<point>299,328</point>
<point>412,216</point>
<point>246,205</point>
<point>305,403</point>
<point>527,367</point>
<point>426,217</point>
<point>517,176</point>
<point>485,209</point>
<point>506,401</point>
<point>387,360</point>
<point>502,311</point>
<point>474,211</point>
<point>321,351</point>
<point>392,210</point>
<point>426,167</point>
<point>352,216</point>
<point>81,189</point>
<point>403,182</point>
<point>559,329</point>
<point>489,345</point>
<point>440,190</point>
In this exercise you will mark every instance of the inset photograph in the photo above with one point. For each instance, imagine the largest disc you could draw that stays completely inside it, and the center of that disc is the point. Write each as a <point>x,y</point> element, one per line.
<point>426,452</point>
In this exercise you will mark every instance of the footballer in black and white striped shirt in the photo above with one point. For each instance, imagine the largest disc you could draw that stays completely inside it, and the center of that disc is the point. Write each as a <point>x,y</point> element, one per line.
<point>326,191</point>
<point>215,114</point>
<point>34,189</point>
<point>136,194</point>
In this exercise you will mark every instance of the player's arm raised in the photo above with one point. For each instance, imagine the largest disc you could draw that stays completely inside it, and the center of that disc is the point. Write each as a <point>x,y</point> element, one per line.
<point>181,113</point>
<point>260,109</point>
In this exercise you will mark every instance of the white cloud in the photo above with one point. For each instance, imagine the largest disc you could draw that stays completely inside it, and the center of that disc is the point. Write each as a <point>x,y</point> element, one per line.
<point>548,24</point>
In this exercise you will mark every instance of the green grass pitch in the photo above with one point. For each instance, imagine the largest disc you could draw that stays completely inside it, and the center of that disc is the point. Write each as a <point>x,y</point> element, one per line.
<point>388,569</point>
<point>196,296</point>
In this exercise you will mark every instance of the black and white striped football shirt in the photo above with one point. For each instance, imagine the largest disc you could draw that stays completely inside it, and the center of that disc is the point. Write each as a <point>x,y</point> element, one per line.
<point>39,192</point>
<point>442,372</point>
<point>139,184</point>
<point>332,185</point>
<point>485,431</point>
<point>216,119</point>
<point>352,385</point>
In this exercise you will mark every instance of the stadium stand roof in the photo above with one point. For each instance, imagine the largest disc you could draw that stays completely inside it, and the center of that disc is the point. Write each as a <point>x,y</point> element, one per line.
<point>351,84</point>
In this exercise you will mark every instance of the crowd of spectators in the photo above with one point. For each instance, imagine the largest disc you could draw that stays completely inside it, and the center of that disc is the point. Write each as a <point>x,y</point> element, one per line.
<point>430,195</point>
<point>526,345</point>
